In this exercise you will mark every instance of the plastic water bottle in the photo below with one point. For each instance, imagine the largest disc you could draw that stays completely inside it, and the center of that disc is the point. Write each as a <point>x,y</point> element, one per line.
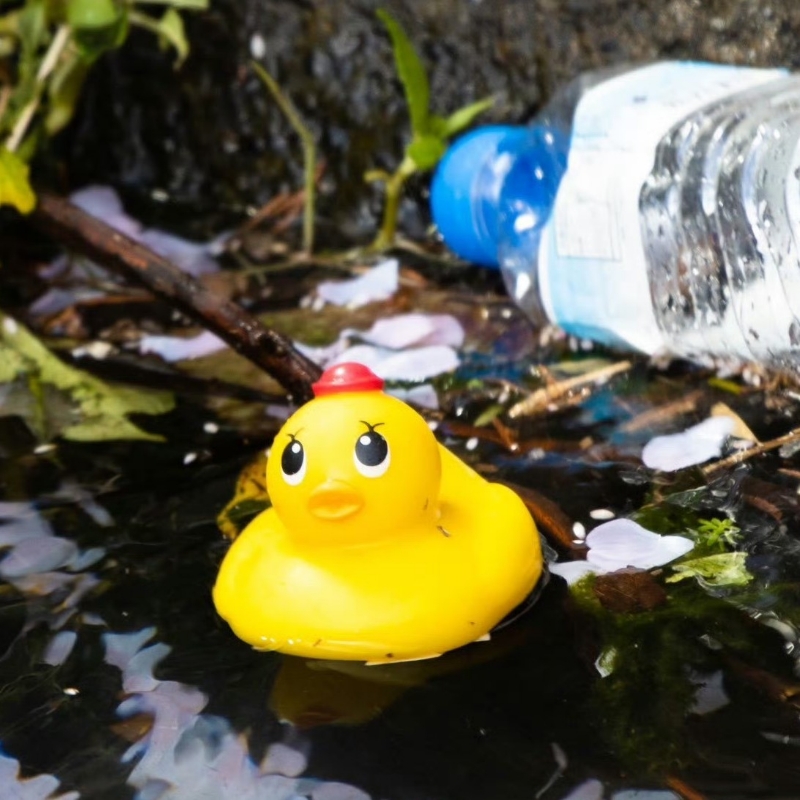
<point>656,209</point>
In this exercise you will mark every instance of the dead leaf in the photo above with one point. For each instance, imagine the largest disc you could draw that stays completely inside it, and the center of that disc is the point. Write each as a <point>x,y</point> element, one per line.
<point>629,591</point>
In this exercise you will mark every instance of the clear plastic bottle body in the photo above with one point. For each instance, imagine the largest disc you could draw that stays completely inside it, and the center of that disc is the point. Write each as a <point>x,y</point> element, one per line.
<point>720,227</point>
<point>714,209</point>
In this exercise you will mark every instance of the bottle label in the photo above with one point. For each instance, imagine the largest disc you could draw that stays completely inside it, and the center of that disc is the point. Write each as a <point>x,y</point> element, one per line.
<point>592,266</point>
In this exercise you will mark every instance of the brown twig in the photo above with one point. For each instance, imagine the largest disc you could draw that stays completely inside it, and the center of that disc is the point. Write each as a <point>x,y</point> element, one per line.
<point>683,789</point>
<point>267,349</point>
<point>743,455</point>
<point>539,400</point>
<point>662,414</point>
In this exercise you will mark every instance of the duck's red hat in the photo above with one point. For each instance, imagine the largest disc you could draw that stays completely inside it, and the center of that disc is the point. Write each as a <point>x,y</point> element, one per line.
<point>347,377</point>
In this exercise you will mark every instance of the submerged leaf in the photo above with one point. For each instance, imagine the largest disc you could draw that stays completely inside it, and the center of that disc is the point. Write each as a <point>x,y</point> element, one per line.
<point>15,188</point>
<point>98,410</point>
<point>723,569</point>
<point>411,72</point>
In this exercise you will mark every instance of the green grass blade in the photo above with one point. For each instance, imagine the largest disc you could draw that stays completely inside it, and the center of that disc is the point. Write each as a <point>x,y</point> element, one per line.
<point>411,73</point>
<point>463,118</point>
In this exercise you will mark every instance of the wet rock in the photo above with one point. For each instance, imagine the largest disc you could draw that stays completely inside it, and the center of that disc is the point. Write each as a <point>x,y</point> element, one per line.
<point>211,137</point>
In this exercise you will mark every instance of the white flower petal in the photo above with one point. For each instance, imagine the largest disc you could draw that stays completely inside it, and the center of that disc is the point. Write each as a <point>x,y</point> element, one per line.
<point>623,543</point>
<point>59,648</point>
<point>408,330</point>
<point>573,571</point>
<point>190,257</point>
<point>710,695</point>
<point>39,554</point>
<point>415,364</point>
<point>693,446</point>
<point>379,283</point>
<point>179,348</point>
<point>423,396</point>
<point>588,790</point>
<point>284,760</point>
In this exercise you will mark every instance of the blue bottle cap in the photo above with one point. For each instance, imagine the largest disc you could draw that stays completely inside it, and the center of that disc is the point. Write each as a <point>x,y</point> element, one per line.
<point>465,191</point>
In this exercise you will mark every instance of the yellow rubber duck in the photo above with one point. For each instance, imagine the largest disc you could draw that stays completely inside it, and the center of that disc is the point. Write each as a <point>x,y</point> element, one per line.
<point>381,545</point>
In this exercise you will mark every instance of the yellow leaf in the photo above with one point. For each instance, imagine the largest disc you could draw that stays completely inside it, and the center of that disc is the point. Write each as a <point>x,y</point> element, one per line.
<point>250,497</point>
<point>15,188</point>
<point>740,428</point>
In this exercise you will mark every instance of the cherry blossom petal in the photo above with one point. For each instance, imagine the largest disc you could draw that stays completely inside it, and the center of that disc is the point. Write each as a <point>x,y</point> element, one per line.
<point>378,283</point>
<point>179,348</point>
<point>572,571</point>
<point>415,364</point>
<point>622,543</point>
<point>693,446</point>
<point>409,330</point>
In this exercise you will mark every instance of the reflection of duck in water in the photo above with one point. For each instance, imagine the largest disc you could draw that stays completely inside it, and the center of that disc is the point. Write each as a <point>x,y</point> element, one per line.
<point>381,545</point>
<point>308,693</point>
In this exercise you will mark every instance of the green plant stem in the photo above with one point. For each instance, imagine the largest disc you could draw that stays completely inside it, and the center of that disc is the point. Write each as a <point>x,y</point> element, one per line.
<point>309,153</point>
<point>394,184</point>
<point>60,41</point>
<point>144,21</point>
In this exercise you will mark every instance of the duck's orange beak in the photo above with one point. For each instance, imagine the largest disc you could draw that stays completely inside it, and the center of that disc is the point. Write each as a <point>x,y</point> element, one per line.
<point>335,500</point>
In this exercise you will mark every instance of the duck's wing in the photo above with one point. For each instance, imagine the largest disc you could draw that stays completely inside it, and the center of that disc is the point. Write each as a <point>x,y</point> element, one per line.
<point>457,479</point>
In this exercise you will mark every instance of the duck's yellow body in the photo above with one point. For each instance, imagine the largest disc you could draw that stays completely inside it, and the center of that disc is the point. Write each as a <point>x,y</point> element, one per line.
<point>380,546</point>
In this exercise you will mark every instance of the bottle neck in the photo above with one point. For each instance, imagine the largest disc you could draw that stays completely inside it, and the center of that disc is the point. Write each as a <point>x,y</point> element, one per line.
<point>522,209</point>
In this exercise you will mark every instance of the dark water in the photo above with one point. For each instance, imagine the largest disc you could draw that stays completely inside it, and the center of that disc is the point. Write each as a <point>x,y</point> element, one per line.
<point>524,716</point>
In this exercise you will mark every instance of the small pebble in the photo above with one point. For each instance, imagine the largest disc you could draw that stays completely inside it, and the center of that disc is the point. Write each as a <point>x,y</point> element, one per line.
<point>189,458</point>
<point>10,326</point>
<point>433,425</point>
<point>42,449</point>
<point>602,513</point>
<point>258,47</point>
<point>71,691</point>
<point>472,443</point>
<point>97,350</point>
<point>211,427</point>
<point>579,531</point>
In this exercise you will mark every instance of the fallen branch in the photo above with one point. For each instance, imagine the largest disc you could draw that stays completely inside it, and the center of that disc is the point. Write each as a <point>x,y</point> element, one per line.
<point>743,455</point>
<point>267,349</point>
<point>539,400</point>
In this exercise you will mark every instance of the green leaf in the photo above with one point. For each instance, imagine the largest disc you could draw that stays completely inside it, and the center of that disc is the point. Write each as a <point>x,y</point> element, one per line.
<point>425,151</point>
<point>172,32</point>
<point>411,73</point>
<point>95,410</point>
<point>32,31</point>
<point>92,14</point>
<point>464,117</point>
<point>64,91</point>
<point>191,5</point>
<point>99,25</point>
<point>15,188</point>
<point>724,569</point>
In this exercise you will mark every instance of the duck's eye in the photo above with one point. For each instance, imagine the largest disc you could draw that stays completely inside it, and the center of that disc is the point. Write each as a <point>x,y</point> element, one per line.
<point>371,454</point>
<point>293,463</point>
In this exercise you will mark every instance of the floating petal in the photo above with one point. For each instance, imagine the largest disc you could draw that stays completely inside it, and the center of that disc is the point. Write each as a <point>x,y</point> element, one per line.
<point>378,283</point>
<point>693,446</point>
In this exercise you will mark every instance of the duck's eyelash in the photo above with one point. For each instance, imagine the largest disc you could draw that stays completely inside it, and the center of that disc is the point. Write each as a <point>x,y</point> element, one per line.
<point>293,436</point>
<point>370,427</point>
